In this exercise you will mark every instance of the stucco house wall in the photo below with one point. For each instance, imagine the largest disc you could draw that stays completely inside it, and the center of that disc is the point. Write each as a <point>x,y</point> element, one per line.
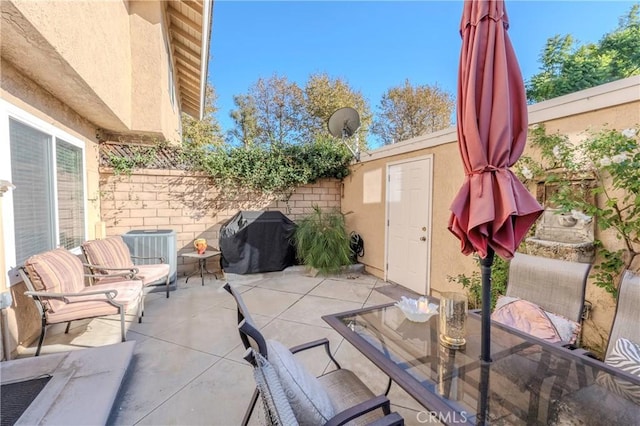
<point>86,70</point>
<point>614,105</point>
<point>19,92</point>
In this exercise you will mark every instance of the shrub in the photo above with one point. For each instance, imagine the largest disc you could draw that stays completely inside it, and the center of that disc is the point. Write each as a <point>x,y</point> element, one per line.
<point>322,241</point>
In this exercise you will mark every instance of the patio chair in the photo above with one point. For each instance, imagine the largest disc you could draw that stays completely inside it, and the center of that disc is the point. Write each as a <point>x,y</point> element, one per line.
<point>111,255</point>
<point>335,398</point>
<point>544,298</point>
<point>625,322</point>
<point>551,291</point>
<point>622,352</point>
<point>56,282</point>
<point>276,405</point>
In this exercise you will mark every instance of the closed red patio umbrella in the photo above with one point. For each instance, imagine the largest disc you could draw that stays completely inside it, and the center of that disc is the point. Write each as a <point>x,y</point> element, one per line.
<point>493,210</point>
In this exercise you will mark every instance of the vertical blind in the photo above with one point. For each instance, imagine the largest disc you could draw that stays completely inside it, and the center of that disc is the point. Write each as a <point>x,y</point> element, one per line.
<point>34,202</point>
<point>70,194</point>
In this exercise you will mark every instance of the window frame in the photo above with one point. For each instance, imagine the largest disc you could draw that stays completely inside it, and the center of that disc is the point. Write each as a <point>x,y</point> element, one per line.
<point>9,112</point>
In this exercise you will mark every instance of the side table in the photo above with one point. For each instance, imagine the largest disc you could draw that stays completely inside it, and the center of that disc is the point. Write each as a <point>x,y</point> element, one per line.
<point>202,262</point>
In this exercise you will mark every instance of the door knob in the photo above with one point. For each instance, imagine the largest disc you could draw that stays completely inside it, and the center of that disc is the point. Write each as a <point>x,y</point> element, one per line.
<point>423,238</point>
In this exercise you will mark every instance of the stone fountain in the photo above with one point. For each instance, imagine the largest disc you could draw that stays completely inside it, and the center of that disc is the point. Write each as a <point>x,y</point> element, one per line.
<point>568,236</point>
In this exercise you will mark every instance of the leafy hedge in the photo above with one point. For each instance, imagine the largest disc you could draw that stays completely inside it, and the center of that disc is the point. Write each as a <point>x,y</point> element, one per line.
<point>275,170</point>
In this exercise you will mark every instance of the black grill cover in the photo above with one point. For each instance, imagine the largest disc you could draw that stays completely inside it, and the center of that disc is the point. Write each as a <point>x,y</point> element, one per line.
<point>255,241</point>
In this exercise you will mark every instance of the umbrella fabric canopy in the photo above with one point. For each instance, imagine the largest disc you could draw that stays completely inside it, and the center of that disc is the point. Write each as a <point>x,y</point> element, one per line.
<point>493,209</point>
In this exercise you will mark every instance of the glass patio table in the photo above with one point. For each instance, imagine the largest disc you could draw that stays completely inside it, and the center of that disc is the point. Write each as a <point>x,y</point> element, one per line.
<point>529,382</point>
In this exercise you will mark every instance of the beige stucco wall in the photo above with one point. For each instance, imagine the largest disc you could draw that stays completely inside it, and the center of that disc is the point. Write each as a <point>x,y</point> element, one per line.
<point>616,105</point>
<point>151,104</point>
<point>106,59</point>
<point>23,321</point>
<point>83,67</point>
<point>368,207</point>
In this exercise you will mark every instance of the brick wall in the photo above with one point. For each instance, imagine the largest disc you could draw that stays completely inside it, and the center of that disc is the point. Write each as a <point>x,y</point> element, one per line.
<point>189,204</point>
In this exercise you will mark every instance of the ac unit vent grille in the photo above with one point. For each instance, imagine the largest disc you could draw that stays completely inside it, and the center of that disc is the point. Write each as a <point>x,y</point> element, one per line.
<point>156,243</point>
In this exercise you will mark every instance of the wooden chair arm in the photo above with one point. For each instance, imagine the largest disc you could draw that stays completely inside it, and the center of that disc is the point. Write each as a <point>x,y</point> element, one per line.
<point>360,409</point>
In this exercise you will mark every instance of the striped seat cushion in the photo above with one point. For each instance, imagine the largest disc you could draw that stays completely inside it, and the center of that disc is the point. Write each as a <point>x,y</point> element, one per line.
<point>111,252</point>
<point>56,271</point>
<point>129,294</point>
<point>625,355</point>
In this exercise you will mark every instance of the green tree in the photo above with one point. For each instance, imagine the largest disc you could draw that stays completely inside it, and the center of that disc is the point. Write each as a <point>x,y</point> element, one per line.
<point>278,108</point>
<point>408,111</point>
<point>567,67</point>
<point>205,132</point>
<point>246,130</point>
<point>323,96</point>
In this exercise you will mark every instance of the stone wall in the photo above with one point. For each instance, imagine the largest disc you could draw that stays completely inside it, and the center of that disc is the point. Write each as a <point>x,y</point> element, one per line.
<point>191,205</point>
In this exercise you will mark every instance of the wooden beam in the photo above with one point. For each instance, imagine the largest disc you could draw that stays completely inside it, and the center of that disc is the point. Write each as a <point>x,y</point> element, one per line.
<point>190,101</point>
<point>185,20</point>
<point>197,8</point>
<point>186,35</point>
<point>191,110</point>
<point>178,44</point>
<point>192,86</point>
<point>191,83</point>
<point>181,57</point>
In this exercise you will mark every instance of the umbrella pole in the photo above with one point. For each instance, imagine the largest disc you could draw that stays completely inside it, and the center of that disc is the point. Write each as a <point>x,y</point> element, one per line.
<point>485,267</point>
<point>485,347</point>
<point>483,401</point>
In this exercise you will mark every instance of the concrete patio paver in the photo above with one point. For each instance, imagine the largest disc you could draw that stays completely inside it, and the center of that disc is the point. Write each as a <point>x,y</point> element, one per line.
<point>187,367</point>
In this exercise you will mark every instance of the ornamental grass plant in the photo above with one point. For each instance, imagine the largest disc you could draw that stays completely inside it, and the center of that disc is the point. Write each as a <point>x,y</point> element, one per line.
<point>322,241</point>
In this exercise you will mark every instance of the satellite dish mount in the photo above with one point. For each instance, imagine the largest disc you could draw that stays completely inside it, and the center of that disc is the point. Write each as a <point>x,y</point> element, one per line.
<point>343,124</point>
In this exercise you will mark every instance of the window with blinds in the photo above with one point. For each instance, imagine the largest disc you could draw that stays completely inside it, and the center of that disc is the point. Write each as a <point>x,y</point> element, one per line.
<point>48,203</point>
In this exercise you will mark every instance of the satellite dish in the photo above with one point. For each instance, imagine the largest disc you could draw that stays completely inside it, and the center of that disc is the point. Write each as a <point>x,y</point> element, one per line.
<point>344,123</point>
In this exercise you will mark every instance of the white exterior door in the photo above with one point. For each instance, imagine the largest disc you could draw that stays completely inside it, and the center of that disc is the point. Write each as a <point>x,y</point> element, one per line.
<point>409,189</point>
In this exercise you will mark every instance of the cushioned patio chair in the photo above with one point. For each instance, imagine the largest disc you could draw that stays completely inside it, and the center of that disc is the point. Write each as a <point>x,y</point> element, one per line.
<point>111,256</point>
<point>623,352</point>
<point>335,398</point>
<point>539,286</point>
<point>56,282</point>
<point>544,298</point>
<point>627,319</point>
<point>278,410</point>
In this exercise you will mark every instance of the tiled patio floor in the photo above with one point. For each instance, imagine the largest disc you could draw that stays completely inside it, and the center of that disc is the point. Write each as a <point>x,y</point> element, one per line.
<point>188,368</point>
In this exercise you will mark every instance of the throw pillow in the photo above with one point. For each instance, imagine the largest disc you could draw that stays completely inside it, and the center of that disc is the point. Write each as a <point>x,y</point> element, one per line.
<point>309,401</point>
<point>532,319</point>
<point>273,396</point>
<point>625,355</point>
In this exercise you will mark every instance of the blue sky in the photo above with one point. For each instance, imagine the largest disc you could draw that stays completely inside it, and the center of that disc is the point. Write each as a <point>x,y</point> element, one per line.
<point>376,45</point>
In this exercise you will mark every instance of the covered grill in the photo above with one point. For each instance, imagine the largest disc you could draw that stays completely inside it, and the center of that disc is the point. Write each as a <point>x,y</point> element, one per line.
<point>257,241</point>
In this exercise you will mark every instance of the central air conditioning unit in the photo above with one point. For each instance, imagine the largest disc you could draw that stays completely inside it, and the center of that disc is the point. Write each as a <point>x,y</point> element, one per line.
<point>155,243</point>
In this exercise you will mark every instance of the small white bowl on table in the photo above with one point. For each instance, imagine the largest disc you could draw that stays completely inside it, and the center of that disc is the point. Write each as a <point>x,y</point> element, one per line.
<point>417,310</point>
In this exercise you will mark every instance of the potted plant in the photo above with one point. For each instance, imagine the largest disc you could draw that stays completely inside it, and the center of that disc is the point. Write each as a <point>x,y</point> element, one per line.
<point>322,241</point>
